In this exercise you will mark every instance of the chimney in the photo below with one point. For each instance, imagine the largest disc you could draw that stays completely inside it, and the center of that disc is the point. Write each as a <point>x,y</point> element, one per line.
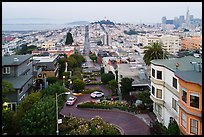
<point>194,65</point>
<point>199,64</point>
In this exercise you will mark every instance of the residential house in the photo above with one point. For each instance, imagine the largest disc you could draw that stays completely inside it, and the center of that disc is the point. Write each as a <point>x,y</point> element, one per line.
<point>165,86</point>
<point>191,43</point>
<point>49,66</point>
<point>190,100</point>
<point>17,70</point>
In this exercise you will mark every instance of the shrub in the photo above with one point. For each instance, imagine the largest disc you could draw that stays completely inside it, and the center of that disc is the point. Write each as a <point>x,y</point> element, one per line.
<point>79,126</point>
<point>94,83</point>
<point>173,128</point>
<point>106,105</point>
<point>52,80</point>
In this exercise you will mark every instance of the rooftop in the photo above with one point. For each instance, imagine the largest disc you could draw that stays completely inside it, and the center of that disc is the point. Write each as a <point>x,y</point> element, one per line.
<point>184,63</point>
<point>190,76</point>
<point>18,82</point>
<point>45,58</point>
<point>9,60</point>
<point>137,73</point>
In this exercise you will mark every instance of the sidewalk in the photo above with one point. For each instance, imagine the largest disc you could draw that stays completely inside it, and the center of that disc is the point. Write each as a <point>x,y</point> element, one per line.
<point>146,118</point>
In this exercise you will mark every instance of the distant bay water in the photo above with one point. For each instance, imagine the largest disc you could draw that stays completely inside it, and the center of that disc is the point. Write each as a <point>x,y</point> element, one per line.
<point>34,27</point>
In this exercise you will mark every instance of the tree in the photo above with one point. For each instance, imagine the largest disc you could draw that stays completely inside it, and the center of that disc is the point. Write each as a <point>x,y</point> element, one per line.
<point>69,39</point>
<point>62,65</point>
<point>154,51</point>
<point>53,89</point>
<point>113,85</point>
<point>126,86</point>
<point>105,78</point>
<point>67,75</point>
<point>27,103</point>
<point>52,80</point>
<point>78,84</point>
<point>144,96</point>
<point>173,128</point>
<point>93,57</point>
<point>76,74</point>
<point>7,88</point>
<point>79,59</point>
<point>8,122</point>
<point>72,63</point>
<point>25,49</point>
<point>40,119</point>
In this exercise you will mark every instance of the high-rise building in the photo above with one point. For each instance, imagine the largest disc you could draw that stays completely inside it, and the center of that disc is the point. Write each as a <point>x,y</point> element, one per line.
<point>187,18</point>
<point>164,20</point>
<point>176,22</point>
<point>191,17</point>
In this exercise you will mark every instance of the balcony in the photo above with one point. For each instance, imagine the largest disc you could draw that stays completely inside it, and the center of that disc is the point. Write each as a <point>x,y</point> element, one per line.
<point>156,100</point>
<point>158,82</point>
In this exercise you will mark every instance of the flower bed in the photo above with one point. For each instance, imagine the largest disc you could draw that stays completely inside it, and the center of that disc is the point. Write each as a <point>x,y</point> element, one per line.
<point>105,104</point>
<point>80,126</point>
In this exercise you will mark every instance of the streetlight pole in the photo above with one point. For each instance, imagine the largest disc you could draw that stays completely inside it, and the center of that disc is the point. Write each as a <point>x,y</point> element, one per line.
<point>57,109</point>
<point>63,81</point>
<point>57,115</point>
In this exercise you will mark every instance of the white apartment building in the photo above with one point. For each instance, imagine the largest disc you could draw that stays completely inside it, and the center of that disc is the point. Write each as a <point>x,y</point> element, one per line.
<point>106,61</point>
<point>165,86</point>
<point>170,43</point>
<point>147,40</point>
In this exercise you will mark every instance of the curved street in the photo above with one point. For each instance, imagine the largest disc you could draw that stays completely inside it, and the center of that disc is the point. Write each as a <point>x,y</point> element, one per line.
<point>130,124</point>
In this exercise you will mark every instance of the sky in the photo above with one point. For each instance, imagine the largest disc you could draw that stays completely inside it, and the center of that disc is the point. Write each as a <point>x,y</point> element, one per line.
<point>132,12</point>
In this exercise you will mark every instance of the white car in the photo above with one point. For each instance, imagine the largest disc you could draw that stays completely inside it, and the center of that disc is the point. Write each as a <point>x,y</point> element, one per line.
<point>71,100</point>
<point>97,94</point>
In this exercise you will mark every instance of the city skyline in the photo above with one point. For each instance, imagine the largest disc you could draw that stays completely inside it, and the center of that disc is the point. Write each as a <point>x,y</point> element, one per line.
<point>132,12</point>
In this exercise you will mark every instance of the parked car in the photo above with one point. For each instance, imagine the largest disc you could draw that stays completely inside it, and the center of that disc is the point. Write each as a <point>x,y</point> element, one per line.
<point>97,94</point>
<point>71,100</point>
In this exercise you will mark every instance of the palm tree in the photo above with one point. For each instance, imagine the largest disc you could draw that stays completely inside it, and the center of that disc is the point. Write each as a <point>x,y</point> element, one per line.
<point>154,51</point>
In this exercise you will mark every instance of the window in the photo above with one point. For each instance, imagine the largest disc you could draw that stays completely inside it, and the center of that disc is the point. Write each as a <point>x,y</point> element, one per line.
<point>44,75</point>
<point>153,90</point>
<point>159,74</point>
<point>159,93</point>
<point>9,106</point>
<point>153,73</point>
<point>184,95</point>
<point>194,126</point>
<point>6,70</point>
<point>40,75</point>
<point>159,110</point>
<point>156,107</point>
<point>194,100</point>
<point>174,82</point>
<point>174,104</point>
<point>183,118</point>
<point>14,107</point>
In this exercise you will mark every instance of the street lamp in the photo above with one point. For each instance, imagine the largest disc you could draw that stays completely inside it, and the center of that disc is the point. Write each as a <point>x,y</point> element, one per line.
<point>67,93</point>
<point>63,81</point>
